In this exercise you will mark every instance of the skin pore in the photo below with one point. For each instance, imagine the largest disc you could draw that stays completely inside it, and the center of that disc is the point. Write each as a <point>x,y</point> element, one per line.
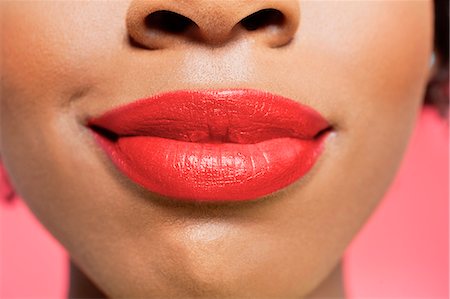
<point>363,65</point>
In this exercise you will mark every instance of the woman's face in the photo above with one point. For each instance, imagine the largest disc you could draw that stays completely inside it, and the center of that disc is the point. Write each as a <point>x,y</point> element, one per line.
<point>363,65</point>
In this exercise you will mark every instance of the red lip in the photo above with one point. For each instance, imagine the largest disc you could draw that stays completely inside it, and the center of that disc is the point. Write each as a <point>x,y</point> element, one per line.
<point>224,145</point>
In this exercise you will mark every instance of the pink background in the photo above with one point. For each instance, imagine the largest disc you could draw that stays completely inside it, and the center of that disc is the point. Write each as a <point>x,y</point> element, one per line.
<point>402,252</point>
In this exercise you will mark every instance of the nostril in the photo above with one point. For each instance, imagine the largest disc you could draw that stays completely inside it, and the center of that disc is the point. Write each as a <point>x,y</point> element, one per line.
<point>165,21</point>
<point>161,24</point>
<point>262,19</point>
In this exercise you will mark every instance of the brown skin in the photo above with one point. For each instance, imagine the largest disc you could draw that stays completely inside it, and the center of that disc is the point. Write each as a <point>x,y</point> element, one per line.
<point>361,64</point>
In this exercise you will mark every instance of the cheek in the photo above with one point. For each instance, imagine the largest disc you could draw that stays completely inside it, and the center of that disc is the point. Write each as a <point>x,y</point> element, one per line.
<point>49,53</point>
<point>368,63</point>
<point>368,52</point>
<point>49,49</point>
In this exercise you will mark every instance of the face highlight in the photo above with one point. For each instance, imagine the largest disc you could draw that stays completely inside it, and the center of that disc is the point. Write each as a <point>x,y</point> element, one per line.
<point>363,65</point>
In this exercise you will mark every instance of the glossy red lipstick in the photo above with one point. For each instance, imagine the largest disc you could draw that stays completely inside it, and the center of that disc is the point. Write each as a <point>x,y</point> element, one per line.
<point>223,145</point>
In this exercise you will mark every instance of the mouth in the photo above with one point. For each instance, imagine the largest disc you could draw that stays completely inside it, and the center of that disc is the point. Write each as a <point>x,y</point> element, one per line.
<point>221,145</point>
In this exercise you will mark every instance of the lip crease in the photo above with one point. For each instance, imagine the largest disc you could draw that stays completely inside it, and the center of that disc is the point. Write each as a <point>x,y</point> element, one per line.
<point>212,145</point>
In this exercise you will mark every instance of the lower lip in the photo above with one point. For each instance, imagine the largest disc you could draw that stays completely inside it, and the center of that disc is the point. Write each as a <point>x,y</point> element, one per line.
<point>213,172</point>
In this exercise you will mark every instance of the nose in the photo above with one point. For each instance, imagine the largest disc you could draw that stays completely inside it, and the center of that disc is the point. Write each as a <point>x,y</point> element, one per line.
<point>160,24</point>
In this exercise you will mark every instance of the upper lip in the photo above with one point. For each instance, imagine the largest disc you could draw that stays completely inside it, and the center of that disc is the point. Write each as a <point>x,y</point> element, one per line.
<point>212,116</point>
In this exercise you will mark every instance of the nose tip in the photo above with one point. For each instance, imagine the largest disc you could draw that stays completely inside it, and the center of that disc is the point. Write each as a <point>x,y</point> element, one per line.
<point>160,24</point>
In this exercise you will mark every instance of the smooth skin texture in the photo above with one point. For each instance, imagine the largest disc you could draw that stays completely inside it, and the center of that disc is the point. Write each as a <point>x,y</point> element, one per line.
<point>364,65</point>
